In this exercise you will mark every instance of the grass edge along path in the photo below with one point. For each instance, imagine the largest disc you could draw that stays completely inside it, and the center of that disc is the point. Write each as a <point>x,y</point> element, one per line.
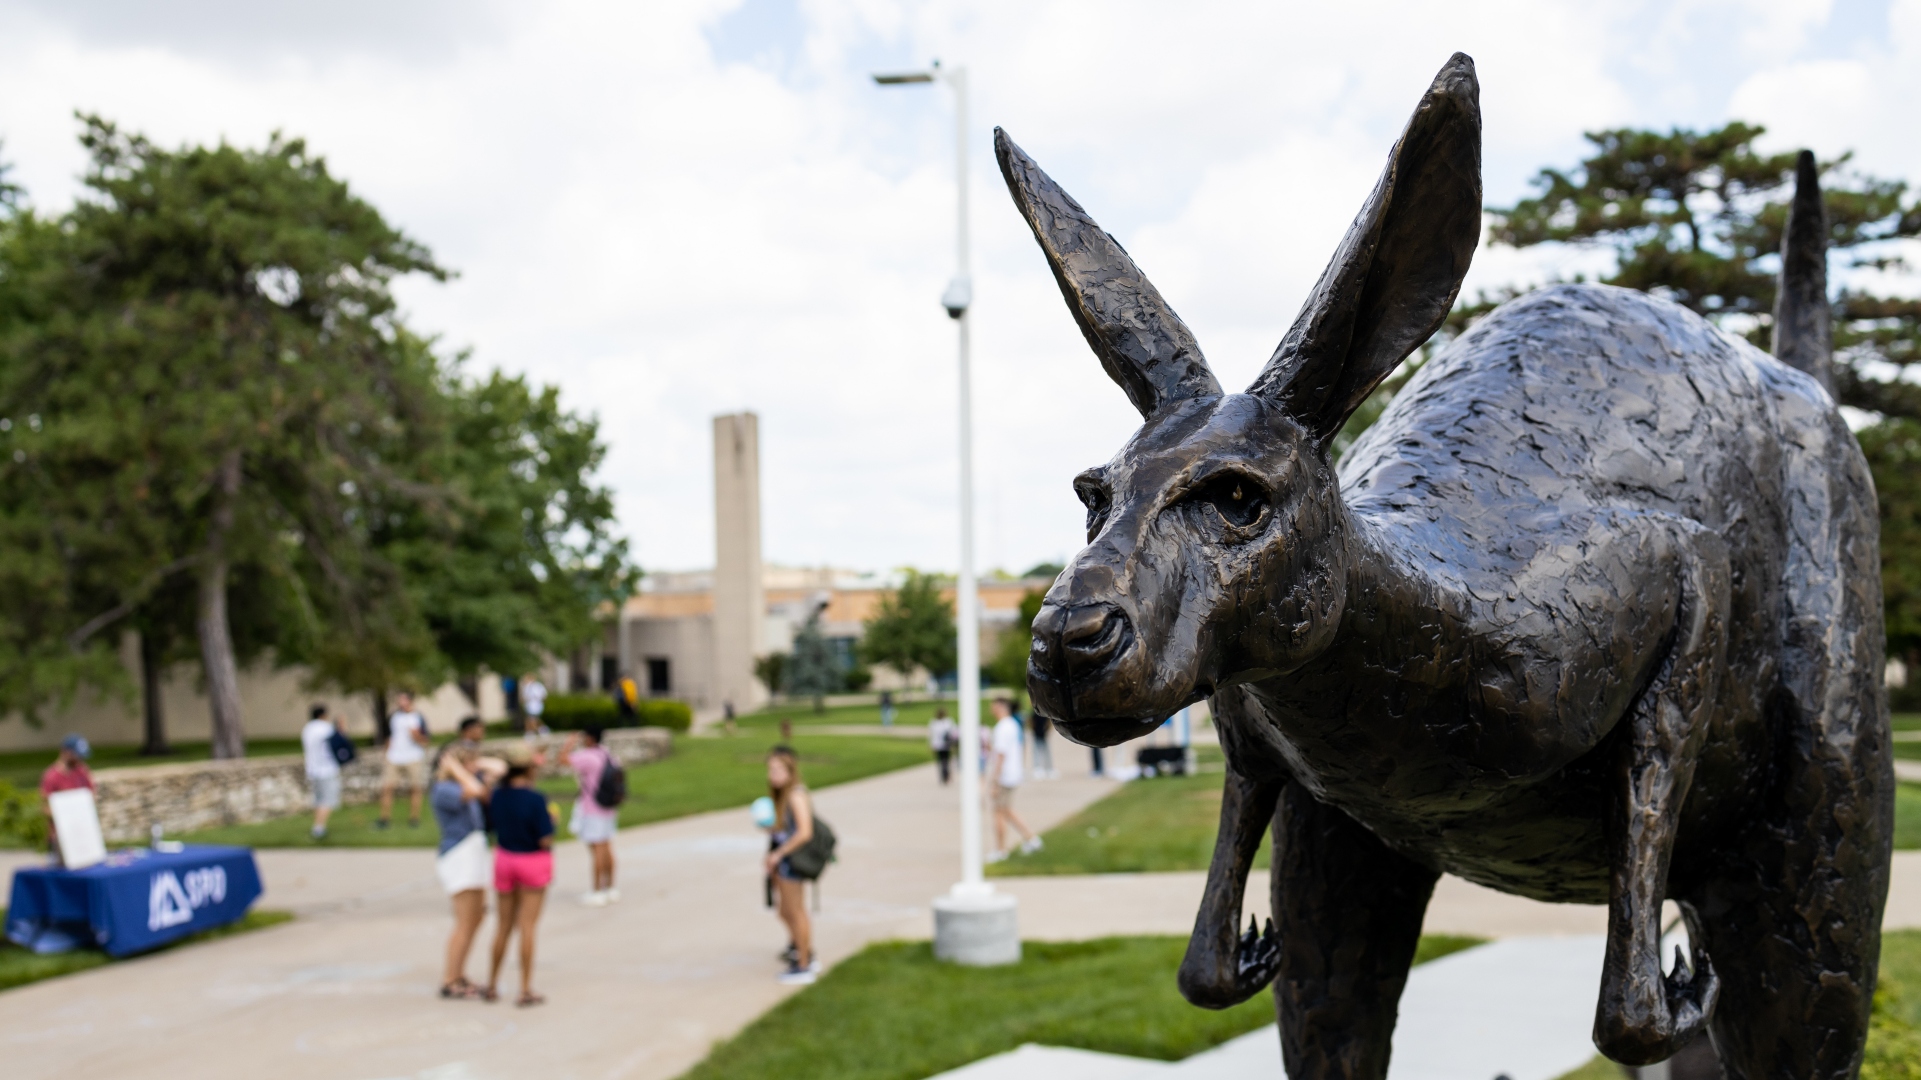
<point>893,1012</point>
<point>702,774</point>
<point>19,967</point>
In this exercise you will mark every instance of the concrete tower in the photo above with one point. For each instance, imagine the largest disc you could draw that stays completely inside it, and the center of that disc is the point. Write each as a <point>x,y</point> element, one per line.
<point>740,604</point>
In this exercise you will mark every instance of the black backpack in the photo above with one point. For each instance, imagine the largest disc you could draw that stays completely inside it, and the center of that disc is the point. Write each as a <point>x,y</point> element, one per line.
<point>342,748</point>
<point>611,790</point>
<point>809,860</point>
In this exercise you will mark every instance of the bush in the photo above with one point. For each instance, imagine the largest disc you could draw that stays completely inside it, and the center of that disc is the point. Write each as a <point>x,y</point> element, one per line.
<point>571,712</point>
<point>20,818</point>
<point>667,713</point>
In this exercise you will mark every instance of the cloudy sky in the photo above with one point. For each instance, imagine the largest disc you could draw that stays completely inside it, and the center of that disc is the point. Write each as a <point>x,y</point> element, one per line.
<point>680,208</point>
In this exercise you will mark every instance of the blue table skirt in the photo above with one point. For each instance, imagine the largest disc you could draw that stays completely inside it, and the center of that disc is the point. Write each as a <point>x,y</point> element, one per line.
<point>138,899</point>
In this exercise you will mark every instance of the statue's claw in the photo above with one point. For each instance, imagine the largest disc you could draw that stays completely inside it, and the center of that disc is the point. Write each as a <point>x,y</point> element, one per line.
<point>1655,1035</point>
<point>1258,960</point>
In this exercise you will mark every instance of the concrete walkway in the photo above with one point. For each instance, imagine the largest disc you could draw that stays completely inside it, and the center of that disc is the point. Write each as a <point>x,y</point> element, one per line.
<point>641,989</point>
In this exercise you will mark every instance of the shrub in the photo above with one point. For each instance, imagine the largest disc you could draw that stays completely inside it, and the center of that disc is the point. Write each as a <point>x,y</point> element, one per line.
<point>20,818</point>
<point>667,713</point>
<point>571,712</point>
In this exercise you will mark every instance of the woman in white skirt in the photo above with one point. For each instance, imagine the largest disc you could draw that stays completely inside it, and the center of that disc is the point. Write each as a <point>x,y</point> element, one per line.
<point>464,865</point>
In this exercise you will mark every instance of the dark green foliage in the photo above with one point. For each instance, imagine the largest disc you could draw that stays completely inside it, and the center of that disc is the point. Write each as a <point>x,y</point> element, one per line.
<point>812,670</point>
<point>1048,570</point>
<point>1008,666</point>
<point>22,824</point>
<point>771,670</point>
<point>914,627</point>
<point>571,712</point>
<point>1893,449</point>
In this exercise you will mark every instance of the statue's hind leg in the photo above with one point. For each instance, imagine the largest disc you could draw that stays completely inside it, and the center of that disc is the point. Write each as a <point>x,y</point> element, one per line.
<point>1791,909</point>
<point>1348,911</point>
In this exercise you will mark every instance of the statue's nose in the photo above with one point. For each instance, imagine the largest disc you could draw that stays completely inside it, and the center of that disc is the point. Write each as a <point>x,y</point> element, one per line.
<point>1092,635</point>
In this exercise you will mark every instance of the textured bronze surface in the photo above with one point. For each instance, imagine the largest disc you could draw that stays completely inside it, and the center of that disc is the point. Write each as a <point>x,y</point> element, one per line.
<point>1591,615</point>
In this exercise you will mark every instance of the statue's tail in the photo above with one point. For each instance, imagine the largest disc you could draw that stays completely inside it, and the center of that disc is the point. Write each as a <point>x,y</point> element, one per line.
<point>1802,336</point>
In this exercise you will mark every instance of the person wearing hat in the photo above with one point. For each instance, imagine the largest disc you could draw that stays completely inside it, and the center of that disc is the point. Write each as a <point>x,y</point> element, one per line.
<point>67,773</point>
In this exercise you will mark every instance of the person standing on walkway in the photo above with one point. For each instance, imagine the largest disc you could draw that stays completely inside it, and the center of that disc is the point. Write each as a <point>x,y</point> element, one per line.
<point>1043,754</point>
<point>886,708</point>
<point>523,868</point>
<point>1005,775</point>
<point>323,767</point>
<point>594,824</point>
<point>67,773</point>
<point>463,864</point>
<point>793,828</point>
<point>406,761</point>
<point>941,735</point>
<point>533,701</point>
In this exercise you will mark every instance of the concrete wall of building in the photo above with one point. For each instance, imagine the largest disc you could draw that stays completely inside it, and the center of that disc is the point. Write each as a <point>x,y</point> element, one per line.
<point>273,704</point>
<point>740,603</point>
<point>687,644</point>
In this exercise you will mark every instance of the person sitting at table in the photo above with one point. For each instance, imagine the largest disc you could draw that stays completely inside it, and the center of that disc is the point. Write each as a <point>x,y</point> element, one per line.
<point>67,773</point>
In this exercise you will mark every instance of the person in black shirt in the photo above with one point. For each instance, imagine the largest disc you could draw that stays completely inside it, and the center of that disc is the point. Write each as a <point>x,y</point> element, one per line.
<point>523,868</point>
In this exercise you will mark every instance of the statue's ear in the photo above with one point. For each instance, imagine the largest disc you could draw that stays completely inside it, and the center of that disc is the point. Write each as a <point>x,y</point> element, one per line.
<point>1399,268</point>
<point>1140,341</point>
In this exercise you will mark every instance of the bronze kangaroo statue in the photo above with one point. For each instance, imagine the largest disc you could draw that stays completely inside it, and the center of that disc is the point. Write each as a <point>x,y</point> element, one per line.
<point>1591,615</point>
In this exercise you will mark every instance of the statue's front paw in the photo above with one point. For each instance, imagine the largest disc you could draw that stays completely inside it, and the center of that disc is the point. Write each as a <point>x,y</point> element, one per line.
<point>1258,961</point>
<point>1653,1023</point>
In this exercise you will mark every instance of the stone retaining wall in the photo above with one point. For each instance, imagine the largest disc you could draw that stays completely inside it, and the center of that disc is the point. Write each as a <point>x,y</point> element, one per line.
<point>203,794</point>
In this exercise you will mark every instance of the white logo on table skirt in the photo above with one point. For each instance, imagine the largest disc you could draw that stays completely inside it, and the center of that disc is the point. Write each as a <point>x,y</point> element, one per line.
<point>167,903</point>
<point>170,904</point>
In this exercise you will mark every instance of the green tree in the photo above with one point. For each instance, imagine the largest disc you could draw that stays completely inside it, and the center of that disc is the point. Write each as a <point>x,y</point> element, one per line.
<point>913,627</point>
<point>214,427</point>
<point>1009,664</point>
<point>1698,217</point>
<point>811,670</point>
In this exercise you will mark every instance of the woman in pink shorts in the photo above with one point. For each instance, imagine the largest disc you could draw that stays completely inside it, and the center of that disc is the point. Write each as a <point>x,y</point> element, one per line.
<point>523,867</point>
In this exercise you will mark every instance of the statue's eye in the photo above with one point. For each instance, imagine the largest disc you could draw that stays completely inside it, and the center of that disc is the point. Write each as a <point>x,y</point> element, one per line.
<point>1095,496</point>
<point>1239,498</point>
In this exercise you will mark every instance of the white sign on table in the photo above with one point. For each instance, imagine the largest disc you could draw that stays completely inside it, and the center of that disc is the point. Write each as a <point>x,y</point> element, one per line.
<point>76,821</point>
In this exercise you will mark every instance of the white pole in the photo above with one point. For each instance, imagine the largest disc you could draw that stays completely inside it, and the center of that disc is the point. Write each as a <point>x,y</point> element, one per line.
<point>968,600</point>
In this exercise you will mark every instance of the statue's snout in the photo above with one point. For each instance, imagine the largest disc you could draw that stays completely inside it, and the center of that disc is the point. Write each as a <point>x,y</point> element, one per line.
<point>1091,637</point>
<point>1084,670</point>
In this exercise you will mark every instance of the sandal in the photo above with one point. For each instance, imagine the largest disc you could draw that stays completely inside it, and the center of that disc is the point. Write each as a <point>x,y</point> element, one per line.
<point>528,997</point>
<point>460,990</point>
<point>487,994</point>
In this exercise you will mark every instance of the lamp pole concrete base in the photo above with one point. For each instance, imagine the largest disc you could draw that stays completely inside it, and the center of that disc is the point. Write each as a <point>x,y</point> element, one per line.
<point>978,929</point>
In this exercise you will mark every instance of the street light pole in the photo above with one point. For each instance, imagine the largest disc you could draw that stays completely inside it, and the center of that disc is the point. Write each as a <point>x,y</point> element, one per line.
<point>972,924</point>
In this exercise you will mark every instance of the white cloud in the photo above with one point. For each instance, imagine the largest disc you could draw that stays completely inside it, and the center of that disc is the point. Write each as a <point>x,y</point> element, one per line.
<point>686,207</point>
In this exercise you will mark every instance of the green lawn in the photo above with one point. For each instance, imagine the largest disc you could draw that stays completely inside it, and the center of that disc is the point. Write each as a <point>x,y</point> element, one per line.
<point>19,967</point>
<point>1170,824</point>
<point>702,774</point>
<point>893,1012</point>
<point>1166,823</point>
<point>802,714</point>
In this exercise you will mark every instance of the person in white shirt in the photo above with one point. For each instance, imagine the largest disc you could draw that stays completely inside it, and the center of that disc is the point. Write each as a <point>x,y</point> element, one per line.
<point>323,769</point>
<point>1004,773</point>
<point>406,760</point>
<point>941,735</point>
<point>533,697</point>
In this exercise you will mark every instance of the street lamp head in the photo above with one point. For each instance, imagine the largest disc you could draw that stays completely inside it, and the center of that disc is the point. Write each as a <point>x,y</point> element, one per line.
<point>905,78</point>
<point>959,294</point>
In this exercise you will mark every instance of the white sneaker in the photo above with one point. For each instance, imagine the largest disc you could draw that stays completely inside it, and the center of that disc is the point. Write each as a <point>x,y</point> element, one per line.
<point>1032,845</point>
<point>795,975</point>
<point>594,899</point>
<point>612,894</point>
<point>996,856</point>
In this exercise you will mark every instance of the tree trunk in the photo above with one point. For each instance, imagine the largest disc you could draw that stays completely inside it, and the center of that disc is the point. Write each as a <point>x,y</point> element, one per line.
<point>216,636</point>
<point>381,730</point>
<point>154,719</point>
<point>470,688</point>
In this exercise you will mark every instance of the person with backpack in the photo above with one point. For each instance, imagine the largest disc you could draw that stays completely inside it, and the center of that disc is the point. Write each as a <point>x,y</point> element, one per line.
<point>603,787</point>
<point>801,847</point>
<point>325,750</point>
